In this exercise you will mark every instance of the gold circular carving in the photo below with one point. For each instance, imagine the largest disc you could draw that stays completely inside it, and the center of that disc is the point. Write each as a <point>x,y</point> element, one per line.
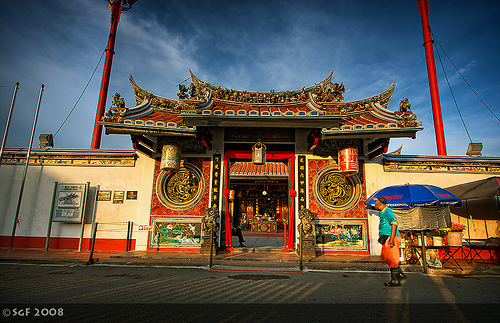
<point>181,189</point>
<point>182,186</point>
<point>335,191</point>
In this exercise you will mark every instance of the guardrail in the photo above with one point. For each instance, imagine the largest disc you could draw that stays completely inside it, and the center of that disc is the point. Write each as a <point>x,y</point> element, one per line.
<point>128,230</point>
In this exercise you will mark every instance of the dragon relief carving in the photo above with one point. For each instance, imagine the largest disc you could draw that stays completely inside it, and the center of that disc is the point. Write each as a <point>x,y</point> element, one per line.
<point>407,117</point>
<point>330,147</point>
<point>333,92</point>
<point>117,110</point>
<point>404,105</point>
<point>192,92</point>
<point>321,93</point>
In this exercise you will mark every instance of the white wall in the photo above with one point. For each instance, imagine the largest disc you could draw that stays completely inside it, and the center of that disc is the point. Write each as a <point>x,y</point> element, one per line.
<point>38,193</point>
<point>377,179</point>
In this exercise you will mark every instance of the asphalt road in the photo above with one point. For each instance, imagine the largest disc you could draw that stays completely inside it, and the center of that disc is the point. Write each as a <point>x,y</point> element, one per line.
<point>126,294</point>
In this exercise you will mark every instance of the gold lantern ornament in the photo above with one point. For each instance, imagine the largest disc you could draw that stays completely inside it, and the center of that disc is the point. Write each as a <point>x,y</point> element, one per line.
<point>259,153</point>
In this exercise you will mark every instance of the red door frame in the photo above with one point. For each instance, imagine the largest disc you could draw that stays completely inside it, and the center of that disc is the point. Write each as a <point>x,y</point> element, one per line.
<point>242,154</point>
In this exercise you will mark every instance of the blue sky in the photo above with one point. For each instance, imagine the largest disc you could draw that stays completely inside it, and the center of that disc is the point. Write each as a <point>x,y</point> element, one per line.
<point>249,45</point>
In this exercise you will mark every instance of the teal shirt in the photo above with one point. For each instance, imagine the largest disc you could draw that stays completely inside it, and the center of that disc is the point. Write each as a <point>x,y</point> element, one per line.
<point>387,217</point>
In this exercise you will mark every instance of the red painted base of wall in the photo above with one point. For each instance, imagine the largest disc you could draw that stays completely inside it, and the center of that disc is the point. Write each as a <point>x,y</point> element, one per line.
<point>67,243</point>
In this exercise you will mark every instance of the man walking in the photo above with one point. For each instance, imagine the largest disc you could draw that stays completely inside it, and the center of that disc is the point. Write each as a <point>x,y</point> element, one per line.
<point>390,239</point>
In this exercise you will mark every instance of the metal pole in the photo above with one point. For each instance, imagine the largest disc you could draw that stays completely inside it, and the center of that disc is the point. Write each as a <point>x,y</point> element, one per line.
<point>16,219</point>
<point>49,228</point>
<point>211,244</point>
<point>424,258</point>
<point>300,249</point>
<point>94,211</point>
<point>468,216</point>
<point>4,140</point>
<point>423,8</point>
<point>92,244</point>
<point>285,247</point>
<point>110,51</point>
<point>84,210</point>
<point>128,236</point>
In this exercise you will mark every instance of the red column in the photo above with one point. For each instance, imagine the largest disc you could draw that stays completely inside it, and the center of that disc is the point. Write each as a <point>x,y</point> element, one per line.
<point>423,8</point>
<point>225,193</point>
<point>101,105</point>
<point>291,219</point>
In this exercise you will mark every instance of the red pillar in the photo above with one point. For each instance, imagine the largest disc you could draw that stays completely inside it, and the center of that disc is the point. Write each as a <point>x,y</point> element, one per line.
<point>101,105</point>
<point>293,193</point>
<point>423,8</point>
<point>225,194</point>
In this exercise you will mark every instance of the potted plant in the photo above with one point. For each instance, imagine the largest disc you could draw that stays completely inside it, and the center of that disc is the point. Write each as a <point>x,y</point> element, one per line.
<point>438,234</point>
<point>454,237</point>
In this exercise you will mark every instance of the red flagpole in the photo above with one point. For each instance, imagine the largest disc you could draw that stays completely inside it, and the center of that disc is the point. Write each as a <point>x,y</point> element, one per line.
<point>423,8</point>
<point>116,9</point>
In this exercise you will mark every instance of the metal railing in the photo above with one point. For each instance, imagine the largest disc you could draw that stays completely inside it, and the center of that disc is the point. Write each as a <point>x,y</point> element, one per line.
<point>128,230</point>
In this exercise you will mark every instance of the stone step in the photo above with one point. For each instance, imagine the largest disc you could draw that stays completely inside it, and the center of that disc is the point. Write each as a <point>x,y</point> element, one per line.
<point>257,250</point>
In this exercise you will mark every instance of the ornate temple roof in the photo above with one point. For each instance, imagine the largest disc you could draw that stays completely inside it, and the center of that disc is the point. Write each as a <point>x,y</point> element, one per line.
<point>320,106</point>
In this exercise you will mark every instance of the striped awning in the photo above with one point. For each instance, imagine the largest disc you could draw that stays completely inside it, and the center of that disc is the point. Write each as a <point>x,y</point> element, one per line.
<point>275,169</point>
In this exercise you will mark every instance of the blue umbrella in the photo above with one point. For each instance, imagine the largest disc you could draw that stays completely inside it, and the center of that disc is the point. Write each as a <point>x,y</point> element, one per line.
<point>411,195</point>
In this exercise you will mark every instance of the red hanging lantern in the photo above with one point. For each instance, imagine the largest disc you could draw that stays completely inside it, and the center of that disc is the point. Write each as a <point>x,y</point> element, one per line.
<point>170,157</point>
<point>348,161</point>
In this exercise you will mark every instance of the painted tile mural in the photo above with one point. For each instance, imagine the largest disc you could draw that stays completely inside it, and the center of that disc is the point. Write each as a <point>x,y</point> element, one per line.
<point>174,232</point>
<point>341,235</point>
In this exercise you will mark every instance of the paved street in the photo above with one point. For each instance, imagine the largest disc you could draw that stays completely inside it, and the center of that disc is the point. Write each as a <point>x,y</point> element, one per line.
<point>197,294</point>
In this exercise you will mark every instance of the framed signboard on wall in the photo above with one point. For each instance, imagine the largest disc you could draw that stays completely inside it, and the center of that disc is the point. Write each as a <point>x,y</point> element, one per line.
<point>70,200</point>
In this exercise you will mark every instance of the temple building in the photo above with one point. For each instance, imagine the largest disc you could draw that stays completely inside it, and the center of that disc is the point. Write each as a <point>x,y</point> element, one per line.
<point>260,158</point>
<point>288,164</point>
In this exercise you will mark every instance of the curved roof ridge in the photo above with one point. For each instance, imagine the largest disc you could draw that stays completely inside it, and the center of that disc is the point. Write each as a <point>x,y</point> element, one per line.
<point>202,84</point>
<point>383,97</point>
<point>156,100</point>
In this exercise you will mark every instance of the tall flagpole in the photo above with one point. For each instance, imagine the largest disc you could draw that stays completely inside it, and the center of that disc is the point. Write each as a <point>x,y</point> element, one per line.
<point>116,9</point>
<point>423,8</point>
<point>6,132</point>
<point>26,167</point>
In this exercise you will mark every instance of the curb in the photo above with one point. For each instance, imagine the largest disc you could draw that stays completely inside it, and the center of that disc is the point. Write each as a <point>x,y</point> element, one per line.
<point>232,263</point>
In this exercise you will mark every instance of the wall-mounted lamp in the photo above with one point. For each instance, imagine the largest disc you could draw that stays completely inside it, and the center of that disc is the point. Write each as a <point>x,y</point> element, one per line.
<point>46,140</point>
<point>474,149</point>
<point>259,153</point>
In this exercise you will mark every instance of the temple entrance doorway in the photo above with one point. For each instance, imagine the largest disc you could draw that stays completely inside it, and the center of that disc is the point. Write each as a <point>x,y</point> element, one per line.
<point>260,210</point>
<point>258,202</point>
